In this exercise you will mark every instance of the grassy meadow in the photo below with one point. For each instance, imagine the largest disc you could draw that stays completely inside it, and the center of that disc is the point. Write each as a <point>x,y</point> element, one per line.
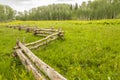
<point>90,51</point>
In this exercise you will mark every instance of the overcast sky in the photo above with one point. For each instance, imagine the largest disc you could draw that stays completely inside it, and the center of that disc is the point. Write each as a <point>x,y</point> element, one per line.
<point>21,5</point>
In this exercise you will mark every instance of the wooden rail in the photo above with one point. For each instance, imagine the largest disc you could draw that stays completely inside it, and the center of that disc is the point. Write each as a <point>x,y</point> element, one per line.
<point>50,72</point>
<point>28,29</point>
<point>44,32</point>
<point>28,65</point>
<point>29,60</point>
<point>43,41</point>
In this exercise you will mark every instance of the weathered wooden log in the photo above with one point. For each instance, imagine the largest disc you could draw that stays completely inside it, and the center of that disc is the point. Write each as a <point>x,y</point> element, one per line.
<point>28,65</point>
<point>43,32</point>
<point>41,35</point>
<point>28,29</point>
<point>50,72</point>
<point>12,27</point>
<point>43,43</point>
<point>33,29</point>
<point>61,34</point>
<point>54,34</point>
<point>50,30</point>
<point>21,28</point>
<point>33,43</point>
<point>37,46</point>
<point>39,41</point>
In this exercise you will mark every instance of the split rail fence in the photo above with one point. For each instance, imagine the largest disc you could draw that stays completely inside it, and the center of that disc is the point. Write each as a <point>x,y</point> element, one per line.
<point>31,62</point>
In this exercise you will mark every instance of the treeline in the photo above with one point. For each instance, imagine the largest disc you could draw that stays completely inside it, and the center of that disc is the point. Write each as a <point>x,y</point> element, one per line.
<point>50,12</point>
<point>91,10</point>
<point>6,13</point>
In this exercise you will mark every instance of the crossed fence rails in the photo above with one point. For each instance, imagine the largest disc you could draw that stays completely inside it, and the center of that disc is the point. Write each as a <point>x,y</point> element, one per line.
<point>31,62</point>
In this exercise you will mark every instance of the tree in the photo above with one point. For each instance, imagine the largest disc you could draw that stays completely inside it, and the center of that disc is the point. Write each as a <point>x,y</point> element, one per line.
<point>6,13</point>
<point>91,10</point>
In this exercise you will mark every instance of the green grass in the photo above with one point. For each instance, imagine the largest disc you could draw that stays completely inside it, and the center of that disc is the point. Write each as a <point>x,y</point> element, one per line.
<point>10,67</point>
<point>90,51</point>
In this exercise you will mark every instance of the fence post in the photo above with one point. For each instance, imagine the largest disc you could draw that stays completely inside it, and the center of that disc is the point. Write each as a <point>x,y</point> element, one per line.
<point>61,34</point>
<point>19,28</point>
<point>35,32</point>
<point>27,29</point>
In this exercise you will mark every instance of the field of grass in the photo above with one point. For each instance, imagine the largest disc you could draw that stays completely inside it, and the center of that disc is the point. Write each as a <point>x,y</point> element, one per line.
<point>90,51</point>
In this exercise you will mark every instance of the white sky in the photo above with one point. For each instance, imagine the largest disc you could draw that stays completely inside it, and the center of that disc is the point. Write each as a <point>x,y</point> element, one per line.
<point>21,5</point>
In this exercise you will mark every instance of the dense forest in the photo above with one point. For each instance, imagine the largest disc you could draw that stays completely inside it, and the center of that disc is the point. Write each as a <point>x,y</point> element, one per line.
<point>91,10</point>
<point>6,13</point>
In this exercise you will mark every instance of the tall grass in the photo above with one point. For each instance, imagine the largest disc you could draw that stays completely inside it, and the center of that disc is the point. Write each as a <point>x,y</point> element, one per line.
<point>10,67</point>
<point>90,51</point>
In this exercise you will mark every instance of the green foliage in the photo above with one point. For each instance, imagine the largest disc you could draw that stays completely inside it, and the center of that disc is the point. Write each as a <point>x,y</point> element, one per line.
<point>91,10</point>
<point>6,13</point>
<point>50,12</point>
